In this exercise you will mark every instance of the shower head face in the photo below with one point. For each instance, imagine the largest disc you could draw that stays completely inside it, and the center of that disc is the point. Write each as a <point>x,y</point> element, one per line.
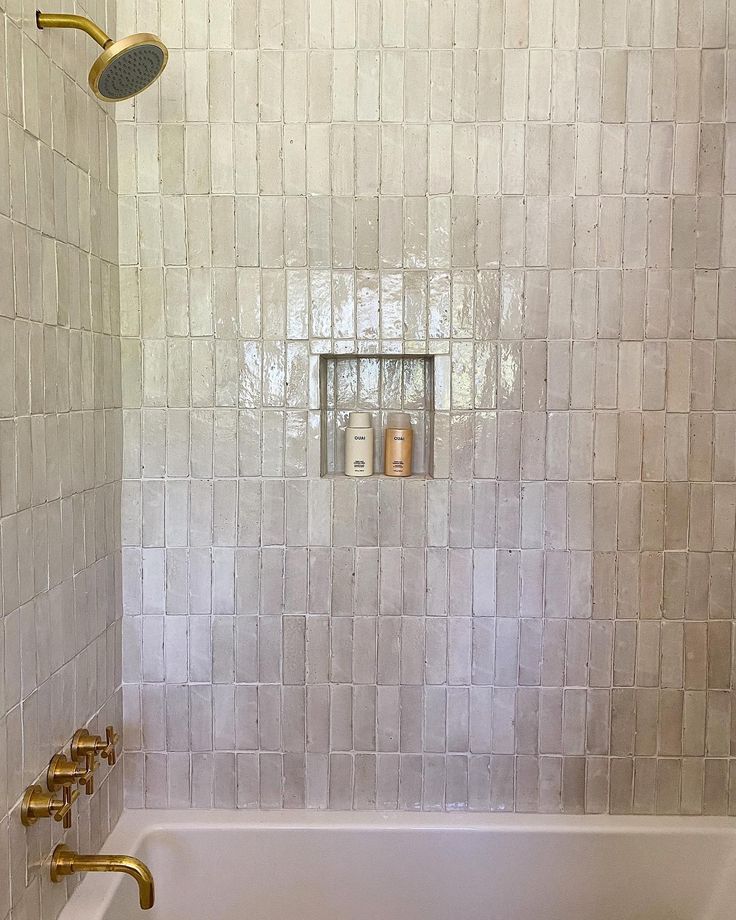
<point>127,67</point>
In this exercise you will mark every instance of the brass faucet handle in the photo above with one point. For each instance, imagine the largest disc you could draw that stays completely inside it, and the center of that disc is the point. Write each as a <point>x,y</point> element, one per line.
<point>39,804</point>
<point>64,814</point>
<point>63,772</point>
<point>85,747</point>
<point>84,743</point>
<point>90,761</point>
<point>108,753</point>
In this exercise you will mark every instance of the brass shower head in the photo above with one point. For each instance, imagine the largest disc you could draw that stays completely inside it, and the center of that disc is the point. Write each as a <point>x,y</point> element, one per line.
<point>125,67</point>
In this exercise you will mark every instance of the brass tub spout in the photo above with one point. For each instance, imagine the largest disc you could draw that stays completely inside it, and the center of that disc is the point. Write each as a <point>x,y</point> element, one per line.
<point>66,862</point>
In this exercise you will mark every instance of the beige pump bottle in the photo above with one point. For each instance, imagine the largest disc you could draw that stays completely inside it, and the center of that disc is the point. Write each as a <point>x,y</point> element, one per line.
<point>398,443</point>
<point>359,445</point>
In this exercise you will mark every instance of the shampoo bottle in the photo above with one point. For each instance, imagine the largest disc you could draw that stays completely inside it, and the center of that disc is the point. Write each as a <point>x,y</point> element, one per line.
<point>397,444</point>
<point>359,445</point>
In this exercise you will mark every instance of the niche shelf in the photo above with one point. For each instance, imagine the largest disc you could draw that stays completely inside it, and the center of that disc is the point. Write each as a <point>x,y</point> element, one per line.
<point>376,383</point>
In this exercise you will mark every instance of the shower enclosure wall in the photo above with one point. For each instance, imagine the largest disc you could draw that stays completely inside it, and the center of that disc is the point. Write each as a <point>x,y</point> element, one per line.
<point>60,438</point>
<point>540,198</point>
<point>541,195</point>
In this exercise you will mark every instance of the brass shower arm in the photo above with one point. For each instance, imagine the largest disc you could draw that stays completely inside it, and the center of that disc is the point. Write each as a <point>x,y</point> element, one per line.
<point>125,67</point>
<point>68,21</point>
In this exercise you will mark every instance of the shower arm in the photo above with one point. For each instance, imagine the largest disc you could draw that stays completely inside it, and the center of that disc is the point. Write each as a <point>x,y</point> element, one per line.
<point>69,21</point>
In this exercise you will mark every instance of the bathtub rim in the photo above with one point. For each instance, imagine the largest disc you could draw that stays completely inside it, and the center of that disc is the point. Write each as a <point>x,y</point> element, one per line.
<point>138,822</point>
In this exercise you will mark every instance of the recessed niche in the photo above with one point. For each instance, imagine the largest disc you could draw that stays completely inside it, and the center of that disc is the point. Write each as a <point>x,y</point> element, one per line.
<point>378,384</point>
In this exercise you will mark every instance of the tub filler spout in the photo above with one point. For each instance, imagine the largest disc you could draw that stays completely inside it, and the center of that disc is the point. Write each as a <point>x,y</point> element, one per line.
<point>66,862</point>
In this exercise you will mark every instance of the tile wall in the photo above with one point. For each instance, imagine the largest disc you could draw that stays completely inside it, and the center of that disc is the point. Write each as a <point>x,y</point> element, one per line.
<point>543,193</point>
<point>60,438</point>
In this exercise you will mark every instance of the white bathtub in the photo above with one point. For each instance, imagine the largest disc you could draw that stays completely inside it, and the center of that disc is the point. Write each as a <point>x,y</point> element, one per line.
<point>214,865</point>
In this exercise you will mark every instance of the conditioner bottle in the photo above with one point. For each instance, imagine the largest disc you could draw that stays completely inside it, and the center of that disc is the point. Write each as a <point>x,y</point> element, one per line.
<point>398,444</point>
<point>359,445</point>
